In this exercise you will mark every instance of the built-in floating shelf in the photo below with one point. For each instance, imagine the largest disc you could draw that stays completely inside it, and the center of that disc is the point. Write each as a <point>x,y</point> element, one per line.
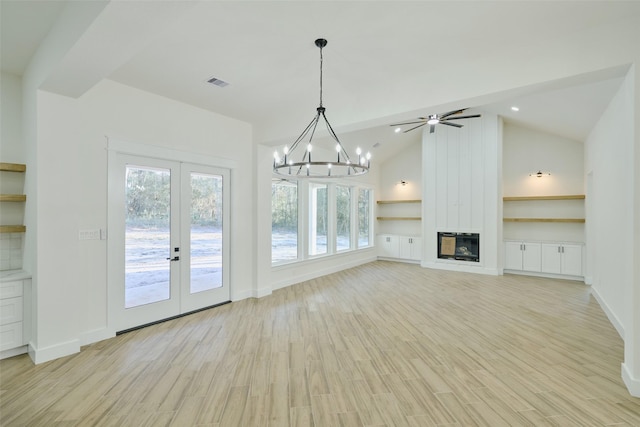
<point>13,167</point>
<point>12,228</point>
<point>13,198</point>
<point>576,220</point>
<point>389,202</point>
<point>399,218</point>
<point>530,198</point>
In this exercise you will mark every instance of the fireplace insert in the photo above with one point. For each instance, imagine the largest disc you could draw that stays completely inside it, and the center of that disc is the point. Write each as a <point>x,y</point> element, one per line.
<point>459,246</point>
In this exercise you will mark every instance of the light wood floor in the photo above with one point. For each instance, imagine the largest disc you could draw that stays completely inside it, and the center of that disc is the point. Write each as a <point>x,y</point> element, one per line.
<point>384,344</point>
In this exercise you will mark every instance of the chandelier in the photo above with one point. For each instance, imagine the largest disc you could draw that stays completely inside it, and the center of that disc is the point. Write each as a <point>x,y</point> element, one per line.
<point>296,161</point>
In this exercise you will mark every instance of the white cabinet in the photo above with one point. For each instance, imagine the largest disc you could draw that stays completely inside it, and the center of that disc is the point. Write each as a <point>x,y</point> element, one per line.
<point>399,247</point>
<point>554,258</point>
<point>410,248</point>
<point>522,256</point>
<point>562,258</point>
<point>13,327</point>
<point>388,246</point>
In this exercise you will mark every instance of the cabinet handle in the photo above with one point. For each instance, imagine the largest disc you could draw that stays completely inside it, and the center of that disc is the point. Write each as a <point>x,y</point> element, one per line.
<point>563,249</point>
<point>524,247</point>
<point>559,249</point>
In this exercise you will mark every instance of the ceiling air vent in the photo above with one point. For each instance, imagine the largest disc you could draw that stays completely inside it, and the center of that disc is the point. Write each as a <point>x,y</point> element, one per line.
<point>217,82</point>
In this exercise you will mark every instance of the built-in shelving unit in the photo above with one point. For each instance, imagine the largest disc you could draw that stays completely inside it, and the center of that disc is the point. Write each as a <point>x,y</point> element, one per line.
<point>13,167</point>
<point>541,198</point>
<point>398,218</point>
<point>576,220</point>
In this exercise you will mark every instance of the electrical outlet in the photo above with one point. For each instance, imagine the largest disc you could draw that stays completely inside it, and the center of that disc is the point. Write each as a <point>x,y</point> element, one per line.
<point>93,234</point>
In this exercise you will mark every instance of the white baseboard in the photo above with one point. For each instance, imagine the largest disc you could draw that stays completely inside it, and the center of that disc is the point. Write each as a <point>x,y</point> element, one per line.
<point>45,354</point>
<point>4,354</point>
<point>96,335</point>
<point>588,280</point>
<point>315,273</point>
<point>547,275</point>
<point>633,384</point>
<point>610,314</point>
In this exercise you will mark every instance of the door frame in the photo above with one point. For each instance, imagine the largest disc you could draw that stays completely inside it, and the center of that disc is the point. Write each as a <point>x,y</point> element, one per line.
<point>117,147</point>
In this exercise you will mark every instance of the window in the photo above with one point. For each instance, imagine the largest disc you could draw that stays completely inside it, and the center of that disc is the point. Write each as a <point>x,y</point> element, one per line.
<point>343,218</point>
<point>311,219</point>
<point>318,219</point>
<point>284,221</point>
<point>364,217</point>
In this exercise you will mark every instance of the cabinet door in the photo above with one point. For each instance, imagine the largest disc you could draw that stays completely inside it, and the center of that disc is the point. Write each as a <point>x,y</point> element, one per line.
<point>513,255</point>
<point>410,247</point>
<point>552,258</point>
<point>416,248</point>
<point>387,246</point>
<point>572,260</point>
<point>531,256</point>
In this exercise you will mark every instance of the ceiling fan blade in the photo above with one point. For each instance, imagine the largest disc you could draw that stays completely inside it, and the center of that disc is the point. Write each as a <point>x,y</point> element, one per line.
<point>432,128</point>
<point>409,130</point>
<point>451,124</point>
<point>464,117</point>
<point>408,123</point>
<point>450,113</point>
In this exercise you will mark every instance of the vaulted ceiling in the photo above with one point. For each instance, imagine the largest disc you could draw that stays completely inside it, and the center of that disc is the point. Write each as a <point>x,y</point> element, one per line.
<point>385,60</point>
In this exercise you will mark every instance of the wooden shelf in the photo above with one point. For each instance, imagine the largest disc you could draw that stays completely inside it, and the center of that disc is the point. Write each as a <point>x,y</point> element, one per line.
<point>12,228</point>
<point>530,198</point>
<point>576,220</point>
<point>13,167</point>
<point>13,198</point>
<point>399,218</point>
<point>389,202</point>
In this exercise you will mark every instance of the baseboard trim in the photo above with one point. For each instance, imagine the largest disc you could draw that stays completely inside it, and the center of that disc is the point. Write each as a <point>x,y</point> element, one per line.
<point>45,354</point>
<point>96,335</point>
<point>545,275</point>
<point>5,354</point>
<point>633,384</point>
<point>322,272</point>
<point>610,314</point>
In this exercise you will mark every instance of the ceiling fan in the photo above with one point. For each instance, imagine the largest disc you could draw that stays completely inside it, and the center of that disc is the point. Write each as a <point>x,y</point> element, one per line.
<point>437,119</point>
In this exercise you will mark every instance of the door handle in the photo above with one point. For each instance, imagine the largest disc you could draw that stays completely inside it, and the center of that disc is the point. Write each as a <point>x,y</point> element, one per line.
<point>175,258</point>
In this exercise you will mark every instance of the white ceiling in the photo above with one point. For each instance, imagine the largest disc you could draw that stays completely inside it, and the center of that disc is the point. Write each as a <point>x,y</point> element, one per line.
<point>386,61</point>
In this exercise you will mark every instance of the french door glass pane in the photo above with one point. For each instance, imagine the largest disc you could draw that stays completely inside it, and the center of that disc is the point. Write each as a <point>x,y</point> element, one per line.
<point>364,227</point>
<point>343,218</point>
<point>319,213</point>
<point>147,235</point>
<point>206,232</point>
<point>284,221</point>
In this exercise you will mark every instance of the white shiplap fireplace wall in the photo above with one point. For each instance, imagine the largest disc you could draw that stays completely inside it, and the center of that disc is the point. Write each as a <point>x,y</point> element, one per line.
<point>462,190</point>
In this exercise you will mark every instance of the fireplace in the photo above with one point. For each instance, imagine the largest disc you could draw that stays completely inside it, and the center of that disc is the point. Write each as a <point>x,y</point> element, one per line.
<point>459,246</point>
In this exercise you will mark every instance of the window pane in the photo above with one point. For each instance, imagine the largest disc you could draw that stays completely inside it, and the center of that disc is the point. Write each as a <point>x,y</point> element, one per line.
<point>147,235</point>
<point>206,232</point>
<point>284,221</point>
<point>364,215</point>
<point>343,218</point>
<point>318,218</point>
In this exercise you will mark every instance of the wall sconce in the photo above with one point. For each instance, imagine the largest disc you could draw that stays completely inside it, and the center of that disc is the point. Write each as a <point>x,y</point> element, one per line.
<point>539,174</point>
<point>403,182</point>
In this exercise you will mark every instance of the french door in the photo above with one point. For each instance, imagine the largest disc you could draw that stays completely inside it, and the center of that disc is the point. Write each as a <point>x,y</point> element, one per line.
<point>168,239</point>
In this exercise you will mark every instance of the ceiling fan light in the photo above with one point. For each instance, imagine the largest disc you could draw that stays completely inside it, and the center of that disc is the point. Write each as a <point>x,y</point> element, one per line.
<point>433,120</point>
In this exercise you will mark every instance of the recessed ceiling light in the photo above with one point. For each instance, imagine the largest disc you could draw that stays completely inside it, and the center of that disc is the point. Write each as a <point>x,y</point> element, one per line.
<point>397,130</point>
<point>514,108</point>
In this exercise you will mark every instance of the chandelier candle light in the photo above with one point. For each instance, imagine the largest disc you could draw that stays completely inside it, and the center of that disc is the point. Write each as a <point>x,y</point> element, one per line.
<point>304,167</point>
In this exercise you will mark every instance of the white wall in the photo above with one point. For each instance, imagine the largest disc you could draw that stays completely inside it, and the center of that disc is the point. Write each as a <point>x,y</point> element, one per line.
<point>72,195</point>
<point>12,149</point>
<point>461,187</point>
<point>611,153</point>
<point>525,151</point>
<point>405,165</point>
